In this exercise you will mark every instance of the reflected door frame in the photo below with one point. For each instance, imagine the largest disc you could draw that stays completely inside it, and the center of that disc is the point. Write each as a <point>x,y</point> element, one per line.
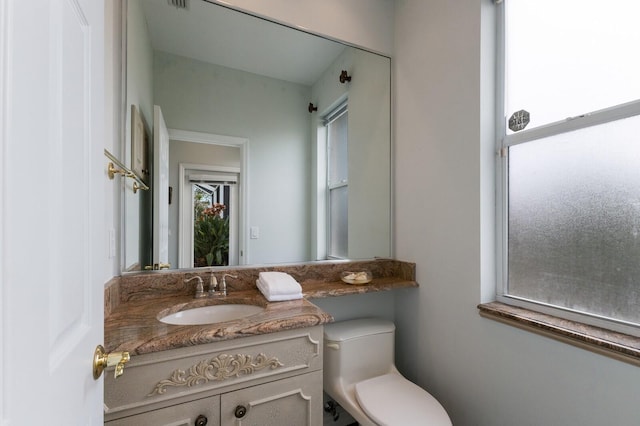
<point>243,188</point>
<point>186,210</point>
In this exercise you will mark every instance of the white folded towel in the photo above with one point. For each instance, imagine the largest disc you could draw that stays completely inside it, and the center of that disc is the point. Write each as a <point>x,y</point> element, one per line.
<point>278,286</point>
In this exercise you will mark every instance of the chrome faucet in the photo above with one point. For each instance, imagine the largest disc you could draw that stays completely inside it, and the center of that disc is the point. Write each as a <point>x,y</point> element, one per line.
<point>223,284</point>
<point>199,286</point>
<point>213,283</point>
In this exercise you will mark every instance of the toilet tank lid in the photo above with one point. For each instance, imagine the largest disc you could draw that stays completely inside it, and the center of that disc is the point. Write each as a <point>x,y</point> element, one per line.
<point>352,329</point>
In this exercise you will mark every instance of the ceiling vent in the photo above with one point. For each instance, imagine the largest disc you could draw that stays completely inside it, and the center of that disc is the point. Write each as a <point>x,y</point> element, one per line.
<point>180,4</point>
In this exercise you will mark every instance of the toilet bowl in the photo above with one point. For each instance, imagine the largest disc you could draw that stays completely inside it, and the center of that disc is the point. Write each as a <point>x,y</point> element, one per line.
<point>360,375</point>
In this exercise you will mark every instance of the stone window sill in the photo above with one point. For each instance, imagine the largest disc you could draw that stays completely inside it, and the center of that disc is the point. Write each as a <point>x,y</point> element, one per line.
<point>605,342</point>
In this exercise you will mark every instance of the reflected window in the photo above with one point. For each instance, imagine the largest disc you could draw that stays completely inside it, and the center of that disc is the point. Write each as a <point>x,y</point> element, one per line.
<point>337,123</point>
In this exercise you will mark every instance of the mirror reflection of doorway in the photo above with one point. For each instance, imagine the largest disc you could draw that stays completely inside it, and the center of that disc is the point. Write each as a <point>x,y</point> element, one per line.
<point>215,221</point>
<point>212,214</point>
<point>218,165</point>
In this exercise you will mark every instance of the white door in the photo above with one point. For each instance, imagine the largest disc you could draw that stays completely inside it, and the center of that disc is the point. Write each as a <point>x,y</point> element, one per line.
<point>160,188</point>
<point>53,245</point>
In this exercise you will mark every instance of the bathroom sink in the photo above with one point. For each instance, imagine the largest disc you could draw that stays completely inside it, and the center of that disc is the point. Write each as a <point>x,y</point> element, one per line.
<point>211,314</point>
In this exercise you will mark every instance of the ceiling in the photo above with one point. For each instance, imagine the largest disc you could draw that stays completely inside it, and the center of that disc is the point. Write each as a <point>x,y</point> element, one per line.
<point>219,35</point>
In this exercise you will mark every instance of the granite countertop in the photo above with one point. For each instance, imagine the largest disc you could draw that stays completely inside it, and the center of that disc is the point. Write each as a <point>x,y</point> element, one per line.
<point>135,304</point>
<point>134,326</point>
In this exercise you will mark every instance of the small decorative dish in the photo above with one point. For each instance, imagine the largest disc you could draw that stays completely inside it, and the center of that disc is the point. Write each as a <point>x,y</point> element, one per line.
<point>356,277</point>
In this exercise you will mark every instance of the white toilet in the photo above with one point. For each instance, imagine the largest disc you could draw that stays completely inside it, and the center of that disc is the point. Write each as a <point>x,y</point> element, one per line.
<point>360,375</point>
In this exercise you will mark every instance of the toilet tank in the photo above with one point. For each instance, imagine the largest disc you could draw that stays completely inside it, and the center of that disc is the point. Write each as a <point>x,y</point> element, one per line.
<point>356,350</point>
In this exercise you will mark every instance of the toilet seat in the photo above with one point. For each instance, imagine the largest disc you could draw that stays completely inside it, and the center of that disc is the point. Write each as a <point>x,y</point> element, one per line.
<point>391,399</point>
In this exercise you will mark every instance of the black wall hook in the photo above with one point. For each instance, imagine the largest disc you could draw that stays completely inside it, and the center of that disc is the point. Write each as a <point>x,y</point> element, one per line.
<point>312,108</point>
<point>344,77</point>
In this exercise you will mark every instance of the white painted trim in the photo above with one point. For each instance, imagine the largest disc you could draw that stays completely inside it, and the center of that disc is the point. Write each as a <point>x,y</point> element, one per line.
<point>243,185</point>
<point>320,231</point>
<point>501,163</point>
<point>209,138</point>
<point>181,220</point>
<point>595,118</point>
<point>123,135</point>
<point>5,89</point>
<point>392,163</point>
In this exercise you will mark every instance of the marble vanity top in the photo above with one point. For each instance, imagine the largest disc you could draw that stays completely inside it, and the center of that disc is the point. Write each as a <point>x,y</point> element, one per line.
<point>133,303</point>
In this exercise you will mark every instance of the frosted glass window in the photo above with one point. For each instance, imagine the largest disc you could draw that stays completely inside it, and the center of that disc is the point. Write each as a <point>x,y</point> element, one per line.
<point>338,226</point>
<point>574,220</point>
<point>570,57</point>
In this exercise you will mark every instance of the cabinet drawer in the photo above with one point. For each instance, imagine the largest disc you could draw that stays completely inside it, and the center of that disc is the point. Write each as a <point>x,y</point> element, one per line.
<point>177,415</point>
<point>296,401</point>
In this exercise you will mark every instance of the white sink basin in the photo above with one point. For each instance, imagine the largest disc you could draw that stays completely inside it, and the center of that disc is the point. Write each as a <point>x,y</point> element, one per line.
<point>211,314</point>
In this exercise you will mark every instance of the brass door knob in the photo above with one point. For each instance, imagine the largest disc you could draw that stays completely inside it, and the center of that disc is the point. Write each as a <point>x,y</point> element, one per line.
<point>102,360</point>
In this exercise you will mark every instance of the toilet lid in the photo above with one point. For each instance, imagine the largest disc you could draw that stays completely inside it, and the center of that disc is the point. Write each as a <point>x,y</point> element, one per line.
<point>391,400</point>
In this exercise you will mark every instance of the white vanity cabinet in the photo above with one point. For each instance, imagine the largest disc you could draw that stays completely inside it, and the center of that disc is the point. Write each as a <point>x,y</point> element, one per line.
<point>270,379</point>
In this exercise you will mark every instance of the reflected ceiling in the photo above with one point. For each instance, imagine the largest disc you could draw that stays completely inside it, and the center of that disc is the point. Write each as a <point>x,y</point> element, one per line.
<point>206,32</point>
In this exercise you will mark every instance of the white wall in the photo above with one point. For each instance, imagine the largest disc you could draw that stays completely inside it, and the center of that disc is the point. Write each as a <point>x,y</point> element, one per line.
<point>363,23</point>
<point>113,108</point>
<point>483,372</point>
<point>139,92</point>
<point>369,97</point>
<point>273,115</point>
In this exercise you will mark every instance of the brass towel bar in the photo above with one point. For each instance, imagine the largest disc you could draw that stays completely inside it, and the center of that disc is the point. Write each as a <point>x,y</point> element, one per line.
<point>119,168</point>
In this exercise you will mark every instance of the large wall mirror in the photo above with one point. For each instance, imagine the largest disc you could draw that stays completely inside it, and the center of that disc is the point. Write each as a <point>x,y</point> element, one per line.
<point>265,144</point>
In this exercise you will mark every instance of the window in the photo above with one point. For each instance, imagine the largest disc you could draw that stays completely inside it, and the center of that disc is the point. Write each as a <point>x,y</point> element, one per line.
<point>569,169</point>
<point>337,182</point>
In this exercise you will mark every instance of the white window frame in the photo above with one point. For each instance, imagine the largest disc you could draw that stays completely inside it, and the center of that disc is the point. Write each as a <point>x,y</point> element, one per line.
<point>503,142</point>
<point>337,112</point>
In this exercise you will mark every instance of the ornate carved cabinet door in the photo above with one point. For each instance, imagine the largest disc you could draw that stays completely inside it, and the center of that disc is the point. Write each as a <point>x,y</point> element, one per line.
<point>202,412</point>
<point>296,401</point>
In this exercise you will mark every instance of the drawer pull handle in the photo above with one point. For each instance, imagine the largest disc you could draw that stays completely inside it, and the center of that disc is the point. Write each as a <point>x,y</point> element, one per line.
<point>240,411</point>
<point>201,420</point>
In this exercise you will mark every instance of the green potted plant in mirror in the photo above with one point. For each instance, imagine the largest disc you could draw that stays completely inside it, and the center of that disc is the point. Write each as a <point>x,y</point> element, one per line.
<point>210,235</point>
